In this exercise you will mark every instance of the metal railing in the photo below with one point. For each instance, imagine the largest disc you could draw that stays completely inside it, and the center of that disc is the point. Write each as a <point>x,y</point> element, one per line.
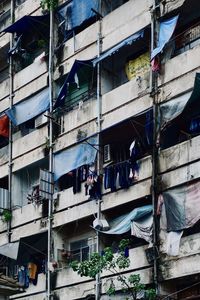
<point>187,39</point>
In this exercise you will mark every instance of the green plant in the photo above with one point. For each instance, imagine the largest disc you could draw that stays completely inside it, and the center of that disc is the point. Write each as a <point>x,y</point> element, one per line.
<point>42,44</point>
<point>7,215</point>
<point>116,264</point>
<point>49,4</point>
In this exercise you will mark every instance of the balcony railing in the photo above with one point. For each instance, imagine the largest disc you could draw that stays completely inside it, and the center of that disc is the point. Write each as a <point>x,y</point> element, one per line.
<point>187,39</point>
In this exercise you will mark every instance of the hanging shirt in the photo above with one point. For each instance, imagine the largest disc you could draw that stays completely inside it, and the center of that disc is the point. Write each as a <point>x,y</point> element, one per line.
<point>32,268</point>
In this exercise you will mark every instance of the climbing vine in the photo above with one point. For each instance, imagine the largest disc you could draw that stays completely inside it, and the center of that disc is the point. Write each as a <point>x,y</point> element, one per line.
<point>49,4</point>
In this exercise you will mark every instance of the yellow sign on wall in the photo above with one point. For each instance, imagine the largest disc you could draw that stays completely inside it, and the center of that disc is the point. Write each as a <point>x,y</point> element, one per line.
<point>138,67</point>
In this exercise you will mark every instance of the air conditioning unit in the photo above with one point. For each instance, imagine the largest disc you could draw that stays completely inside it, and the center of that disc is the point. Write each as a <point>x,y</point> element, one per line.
<point>107,153</point>
<point>41,120</point>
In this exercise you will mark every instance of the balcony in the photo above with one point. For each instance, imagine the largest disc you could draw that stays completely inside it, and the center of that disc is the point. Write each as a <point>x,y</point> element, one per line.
<point>29,142</point>
<point>180,154</point>
<point>187,263</point>
<point>188,61</point>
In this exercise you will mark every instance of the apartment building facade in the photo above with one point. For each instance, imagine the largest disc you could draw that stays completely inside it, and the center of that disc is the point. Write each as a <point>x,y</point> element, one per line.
<point>99,128</point>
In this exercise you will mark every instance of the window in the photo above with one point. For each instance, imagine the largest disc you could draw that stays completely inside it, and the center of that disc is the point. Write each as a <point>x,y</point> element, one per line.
<point>81,250</point>
<point>109,5</point>
<point>81,88</point>
<point>4,66</point>
<point>188,39</point>
<point>130,62</point>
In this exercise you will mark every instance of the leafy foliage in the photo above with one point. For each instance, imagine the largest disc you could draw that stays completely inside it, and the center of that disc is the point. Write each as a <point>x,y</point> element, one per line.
<point>7,215</point>
<point>116,264</point>
<point>49,4</point>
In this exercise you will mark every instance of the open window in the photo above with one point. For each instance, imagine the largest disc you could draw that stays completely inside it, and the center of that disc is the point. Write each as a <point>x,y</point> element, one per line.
<point>26,256</point>
<point>78,86</point>
<point>30,41</point>
<point>128,60</point>
<point>180,117</point>
<point>123,146</point>
<point>75,242</point>
<point>75,165</point>
<point>25,185</point>
<point>4,14</point>
<point>76,15</point>
<point>186,34</point>
<point>110,5</point>
<point>4,66</point>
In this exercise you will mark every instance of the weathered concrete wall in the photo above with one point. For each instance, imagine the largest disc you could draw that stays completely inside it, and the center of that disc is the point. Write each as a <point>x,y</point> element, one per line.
<point>187,262</point>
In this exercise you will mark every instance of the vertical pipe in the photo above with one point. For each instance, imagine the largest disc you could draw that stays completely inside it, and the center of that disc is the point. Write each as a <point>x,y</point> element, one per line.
<point>97,291</point>
<point>10,124</point>
<point>51,55</point>
<point>153,82</point>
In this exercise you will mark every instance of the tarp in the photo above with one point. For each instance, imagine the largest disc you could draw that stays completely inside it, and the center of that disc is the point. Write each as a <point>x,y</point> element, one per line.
<point>128,41</point>
<point>143,228</point>
<point>26,247</point>
<point>29,108</point>
<point>166,31</point>
<point>122,224</point>
<point>187,104</point>
<point>74,157</point>
<point>10,250</point>
<point>77,12</point>
<point>30,24</point>
<point>4,126</point>
<point>70,79</point>
<point>173,108</point>
<point>181,207</point>
<point>32,246</point>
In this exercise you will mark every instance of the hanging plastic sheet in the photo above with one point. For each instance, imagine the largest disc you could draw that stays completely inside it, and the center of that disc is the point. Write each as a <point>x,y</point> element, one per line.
<point>71,78</point>
<point>123,224</point>
<point>143,228</point>
<point>30,24</point>
<point>167,28</point>
<point>77,12</point>
<point>31,246</point>
<point>185,104</point>
<point>74,157</point>
<point>129,41</point>
<point>4,126</point>
<point>173,242</point>
<point>181,207</point>
<point>26,247</point>
<point>29,108</point>
<point>10,250</point>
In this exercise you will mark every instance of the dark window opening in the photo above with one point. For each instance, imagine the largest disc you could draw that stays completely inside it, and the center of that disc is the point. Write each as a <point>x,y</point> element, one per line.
<point>121,136</point>
<point>123,146</point>
<point>4,196</point>
<point>4,66</point>
<point>128,63</point>
<point>183,128</point>
<point>110,5</point>
<point>27,48</point>
<point>82,89</point>
<point>187,32</point>
<point>74,179</point>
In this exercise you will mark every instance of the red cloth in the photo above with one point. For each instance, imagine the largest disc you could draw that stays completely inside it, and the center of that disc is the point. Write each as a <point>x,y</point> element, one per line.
<point>4,126</point>
<point>155,65</point>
